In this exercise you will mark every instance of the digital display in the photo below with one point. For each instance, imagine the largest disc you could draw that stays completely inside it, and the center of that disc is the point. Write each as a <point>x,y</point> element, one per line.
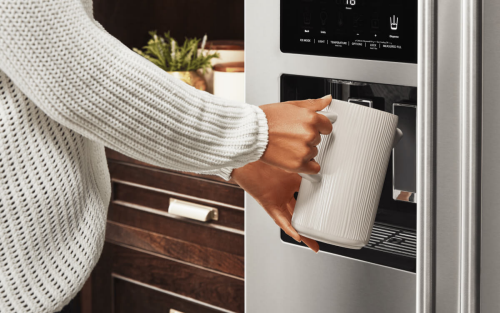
<point>383,30</point>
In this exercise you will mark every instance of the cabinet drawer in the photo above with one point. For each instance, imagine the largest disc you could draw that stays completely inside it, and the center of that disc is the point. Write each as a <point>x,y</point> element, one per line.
<point>212,236</point>
<point>177,183</point>
<point>132,297</point>
<point>175,248</point>
<point>131,193</point>
<point>114,156</point>
<point>207,286</point>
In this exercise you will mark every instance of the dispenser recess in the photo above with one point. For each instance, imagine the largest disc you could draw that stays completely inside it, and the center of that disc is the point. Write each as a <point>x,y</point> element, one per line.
<point>393,239</point>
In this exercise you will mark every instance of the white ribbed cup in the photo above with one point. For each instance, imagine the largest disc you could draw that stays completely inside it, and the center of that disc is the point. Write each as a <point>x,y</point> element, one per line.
<point>341,209</point>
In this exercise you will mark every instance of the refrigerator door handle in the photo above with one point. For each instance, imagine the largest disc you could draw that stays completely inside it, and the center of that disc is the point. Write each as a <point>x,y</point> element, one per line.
<point>426,256</point>
<point>470,154</point>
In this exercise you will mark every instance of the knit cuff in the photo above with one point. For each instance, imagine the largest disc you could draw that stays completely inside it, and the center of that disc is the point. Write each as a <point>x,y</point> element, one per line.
<point>263,135</point>
<point>262,140</point>
<point>225,173</point>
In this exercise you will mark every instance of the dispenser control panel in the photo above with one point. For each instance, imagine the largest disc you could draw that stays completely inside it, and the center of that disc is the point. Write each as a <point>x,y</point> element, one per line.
<point>384,30</point>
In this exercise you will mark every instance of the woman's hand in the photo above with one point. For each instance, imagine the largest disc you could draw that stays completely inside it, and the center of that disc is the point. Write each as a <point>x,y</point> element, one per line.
<point>294,133</point>
<point>273,189</point>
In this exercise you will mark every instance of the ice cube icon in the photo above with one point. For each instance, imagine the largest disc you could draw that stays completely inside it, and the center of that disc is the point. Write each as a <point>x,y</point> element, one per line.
<point>394,22</point>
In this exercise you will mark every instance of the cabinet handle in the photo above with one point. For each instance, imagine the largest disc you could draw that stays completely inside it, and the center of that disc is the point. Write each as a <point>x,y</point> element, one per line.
<point>174,311</point>
<point>193,210</point>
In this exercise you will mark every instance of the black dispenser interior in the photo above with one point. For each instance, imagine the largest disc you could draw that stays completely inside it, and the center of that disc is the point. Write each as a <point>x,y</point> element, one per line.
<point>393,239</point>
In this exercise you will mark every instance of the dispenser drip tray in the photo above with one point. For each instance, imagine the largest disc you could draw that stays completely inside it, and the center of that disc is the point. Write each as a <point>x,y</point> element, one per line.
<point>389,245</point>
<point>393,240</point>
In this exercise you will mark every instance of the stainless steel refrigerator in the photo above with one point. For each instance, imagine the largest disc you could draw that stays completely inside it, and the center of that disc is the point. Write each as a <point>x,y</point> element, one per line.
<point>436,64</point>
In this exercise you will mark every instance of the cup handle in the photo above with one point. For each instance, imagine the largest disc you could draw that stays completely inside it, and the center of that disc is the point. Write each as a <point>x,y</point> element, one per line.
<point>316,178</point>
<point>397,137</point>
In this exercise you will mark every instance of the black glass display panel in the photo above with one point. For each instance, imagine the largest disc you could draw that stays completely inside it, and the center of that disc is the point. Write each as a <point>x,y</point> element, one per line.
<point>393,240</point>
<point>384,30</point>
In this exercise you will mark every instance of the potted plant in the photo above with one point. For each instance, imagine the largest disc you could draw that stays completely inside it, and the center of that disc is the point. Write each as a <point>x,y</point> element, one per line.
<point>182,61</point>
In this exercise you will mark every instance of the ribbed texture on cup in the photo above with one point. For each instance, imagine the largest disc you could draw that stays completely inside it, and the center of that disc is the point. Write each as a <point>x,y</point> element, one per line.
<point>353,161</point>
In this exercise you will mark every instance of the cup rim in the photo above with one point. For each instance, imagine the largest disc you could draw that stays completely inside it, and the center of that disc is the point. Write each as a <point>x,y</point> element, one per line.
<point>361,107</point>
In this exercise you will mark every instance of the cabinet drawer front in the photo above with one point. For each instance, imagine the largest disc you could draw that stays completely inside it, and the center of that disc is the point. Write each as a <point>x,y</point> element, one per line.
<point>114,156</point>
<point>179,183</point>
<point>131,193</point>
<point>220,290</point>
<point>131,297</point>
<point>175,248</point>
<point>211,236</point>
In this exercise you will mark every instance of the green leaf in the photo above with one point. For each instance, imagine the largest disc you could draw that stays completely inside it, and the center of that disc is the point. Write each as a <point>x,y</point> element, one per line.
<point>183,57</point>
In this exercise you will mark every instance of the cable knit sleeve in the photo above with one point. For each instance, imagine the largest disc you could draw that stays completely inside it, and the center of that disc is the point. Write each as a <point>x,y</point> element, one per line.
<point>88,81</point>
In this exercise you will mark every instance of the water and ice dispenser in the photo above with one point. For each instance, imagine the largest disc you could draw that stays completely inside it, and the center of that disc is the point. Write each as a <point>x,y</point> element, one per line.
<point>393,239</point>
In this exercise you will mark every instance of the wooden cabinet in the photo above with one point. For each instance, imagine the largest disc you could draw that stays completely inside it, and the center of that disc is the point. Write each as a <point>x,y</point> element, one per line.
<point>154,261</point>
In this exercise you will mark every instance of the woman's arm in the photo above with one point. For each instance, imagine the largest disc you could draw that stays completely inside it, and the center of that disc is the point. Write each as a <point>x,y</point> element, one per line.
<point>88,81</point>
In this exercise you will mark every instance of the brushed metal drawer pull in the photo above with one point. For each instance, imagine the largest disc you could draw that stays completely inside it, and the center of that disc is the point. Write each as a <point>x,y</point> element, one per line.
<point>174,311</point>
<point>193,210</point>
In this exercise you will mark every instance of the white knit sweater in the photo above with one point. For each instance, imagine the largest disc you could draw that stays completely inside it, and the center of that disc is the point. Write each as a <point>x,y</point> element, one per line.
<point>67,89</point>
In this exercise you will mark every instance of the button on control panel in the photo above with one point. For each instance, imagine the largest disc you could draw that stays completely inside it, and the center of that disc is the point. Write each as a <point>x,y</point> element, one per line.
<point>383,30</point>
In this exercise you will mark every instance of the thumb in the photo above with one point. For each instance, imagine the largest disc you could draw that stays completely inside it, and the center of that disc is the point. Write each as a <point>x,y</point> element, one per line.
<point>314,104</point>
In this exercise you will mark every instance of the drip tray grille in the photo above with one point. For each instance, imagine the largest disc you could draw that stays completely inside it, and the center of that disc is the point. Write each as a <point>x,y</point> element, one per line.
<point>393,240</point>
<point>389,245</point>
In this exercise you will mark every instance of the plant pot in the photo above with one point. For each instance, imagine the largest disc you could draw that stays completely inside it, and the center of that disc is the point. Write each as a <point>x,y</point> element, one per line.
<point>228,50</point>
<point>192,78</point>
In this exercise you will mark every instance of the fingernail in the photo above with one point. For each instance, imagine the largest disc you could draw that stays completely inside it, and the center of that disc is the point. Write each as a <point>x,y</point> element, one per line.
<point>326,96</point>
